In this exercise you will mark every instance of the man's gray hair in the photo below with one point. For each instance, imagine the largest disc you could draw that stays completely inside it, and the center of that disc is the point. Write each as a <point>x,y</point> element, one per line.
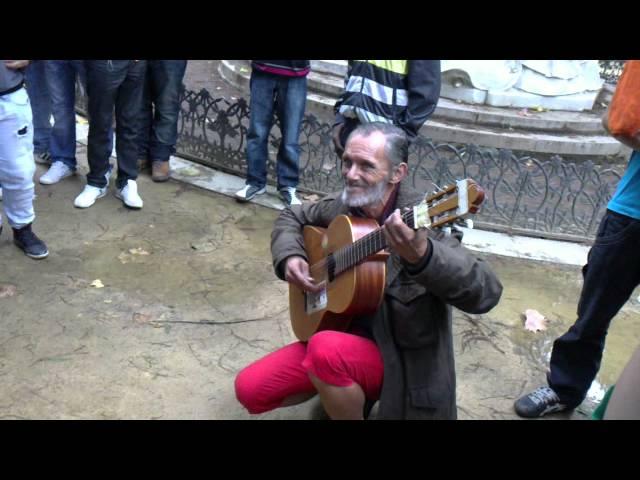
<point>396,147</point>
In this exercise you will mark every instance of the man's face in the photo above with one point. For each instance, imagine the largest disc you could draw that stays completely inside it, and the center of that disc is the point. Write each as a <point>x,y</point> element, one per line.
<point>366,170</point>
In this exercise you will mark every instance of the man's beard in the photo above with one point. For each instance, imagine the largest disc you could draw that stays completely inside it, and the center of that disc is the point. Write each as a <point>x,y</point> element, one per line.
<point>369,196</point>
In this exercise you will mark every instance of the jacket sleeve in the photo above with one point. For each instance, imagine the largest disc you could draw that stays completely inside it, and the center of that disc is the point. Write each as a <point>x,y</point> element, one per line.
<point>286,237</point>
<point>459,278</point>
<point>423,91</point>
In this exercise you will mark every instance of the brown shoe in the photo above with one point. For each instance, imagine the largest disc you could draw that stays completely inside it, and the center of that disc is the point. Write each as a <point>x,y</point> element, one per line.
<point>143,165</point>
<point>160,171</point>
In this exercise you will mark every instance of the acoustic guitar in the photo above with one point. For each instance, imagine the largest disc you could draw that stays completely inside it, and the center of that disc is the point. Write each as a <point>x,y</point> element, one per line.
<point>349,259</point>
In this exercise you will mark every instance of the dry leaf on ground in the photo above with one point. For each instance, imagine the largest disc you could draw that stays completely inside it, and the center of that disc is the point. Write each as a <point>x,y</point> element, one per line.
<point>534,320</point>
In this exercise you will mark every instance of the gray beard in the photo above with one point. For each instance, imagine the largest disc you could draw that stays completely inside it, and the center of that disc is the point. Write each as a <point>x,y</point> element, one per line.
<point>370,196</point>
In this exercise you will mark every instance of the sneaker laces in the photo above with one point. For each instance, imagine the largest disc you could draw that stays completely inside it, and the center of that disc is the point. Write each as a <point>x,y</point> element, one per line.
<point>133,187</point>
<point>27,237</point>
<point>545,396</point>
<point>289,193</point>
<point>58,168</point>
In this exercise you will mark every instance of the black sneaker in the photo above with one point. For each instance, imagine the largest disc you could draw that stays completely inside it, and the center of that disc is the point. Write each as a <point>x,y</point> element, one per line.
<point>248,192</point>
<point>28,242</point>
<point>43,158</point>
<point>538,403</point>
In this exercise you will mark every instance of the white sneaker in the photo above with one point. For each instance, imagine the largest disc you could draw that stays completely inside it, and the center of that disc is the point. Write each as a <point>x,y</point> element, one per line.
<point>289,197</point>
<point>89,196</point>
<point>129,195</point>
<point>56,172</point>
<point>248,192</point>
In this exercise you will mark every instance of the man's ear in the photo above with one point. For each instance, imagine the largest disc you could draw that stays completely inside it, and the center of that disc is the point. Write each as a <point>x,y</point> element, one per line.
<point>399,173</point>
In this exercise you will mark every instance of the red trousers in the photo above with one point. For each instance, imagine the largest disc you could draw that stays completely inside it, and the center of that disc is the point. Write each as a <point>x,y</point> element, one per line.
<point>336,358</point>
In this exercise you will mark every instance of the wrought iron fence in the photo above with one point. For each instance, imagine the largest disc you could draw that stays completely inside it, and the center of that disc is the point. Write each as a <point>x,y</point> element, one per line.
<point>549,198</point>
<point>610,70</point>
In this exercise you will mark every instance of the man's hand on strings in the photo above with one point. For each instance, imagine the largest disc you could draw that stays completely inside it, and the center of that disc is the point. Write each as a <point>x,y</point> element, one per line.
<point>410,244</point>
<point>297,273</point>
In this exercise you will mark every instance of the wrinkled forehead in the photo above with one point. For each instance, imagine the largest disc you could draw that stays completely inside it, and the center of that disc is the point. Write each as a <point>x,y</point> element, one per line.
<point>370,147</point>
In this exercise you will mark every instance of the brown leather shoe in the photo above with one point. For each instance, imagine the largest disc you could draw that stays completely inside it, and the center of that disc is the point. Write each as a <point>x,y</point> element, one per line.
<point>143,165</point>
<point>160,171</point>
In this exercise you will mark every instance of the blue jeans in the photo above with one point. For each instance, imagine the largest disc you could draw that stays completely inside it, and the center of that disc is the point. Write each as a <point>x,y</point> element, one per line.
<point>160,108</point>
<point>61,79</point>
<point>286,97</point>
<point>114,84</point>
<point>610,275</point>
<point>40,105</point>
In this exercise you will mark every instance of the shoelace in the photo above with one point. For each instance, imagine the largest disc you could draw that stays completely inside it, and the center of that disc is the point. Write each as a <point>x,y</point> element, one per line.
<point>58,168</point>
<point>544,395</point>
<point>27,237</point>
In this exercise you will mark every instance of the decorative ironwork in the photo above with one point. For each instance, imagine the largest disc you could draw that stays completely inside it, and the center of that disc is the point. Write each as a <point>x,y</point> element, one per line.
<point>610,70</point>
<point>550,198</point>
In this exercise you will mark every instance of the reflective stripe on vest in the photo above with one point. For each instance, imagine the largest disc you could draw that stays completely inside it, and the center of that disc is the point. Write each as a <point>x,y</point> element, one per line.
<point>375,90</point>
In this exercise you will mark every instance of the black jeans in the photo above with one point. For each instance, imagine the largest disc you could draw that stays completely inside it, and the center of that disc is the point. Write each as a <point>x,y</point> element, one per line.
<point>114,84</point>
<point>610,276</point>
<point>160,108</point>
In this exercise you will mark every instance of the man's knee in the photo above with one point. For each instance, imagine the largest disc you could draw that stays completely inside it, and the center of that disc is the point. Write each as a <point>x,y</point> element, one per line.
<point>322,352</point>
<point>248,388</point>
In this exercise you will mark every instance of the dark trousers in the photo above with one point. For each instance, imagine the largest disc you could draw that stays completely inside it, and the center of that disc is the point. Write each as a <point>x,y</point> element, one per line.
<point>114,84</point>
<point>160,108</point>
<point>610,276</point>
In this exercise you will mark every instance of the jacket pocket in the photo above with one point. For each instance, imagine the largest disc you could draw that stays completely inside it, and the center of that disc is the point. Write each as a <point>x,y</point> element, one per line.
<point>415,315</point>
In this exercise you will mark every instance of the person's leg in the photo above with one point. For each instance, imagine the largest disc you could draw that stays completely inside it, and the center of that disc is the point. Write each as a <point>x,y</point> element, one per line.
<point>611,274</point>
<point>624,403</point>
<point>127,108</point>
<point>104,78</point>
<point>146,115</point>
<point>41,109</point>
<point>291,101</point>
<point>61,79</point>
<point>167,81</point>
<point>276,380</point>
<point>17,169</point>
<point>346,370</point>
<point>261,106</point>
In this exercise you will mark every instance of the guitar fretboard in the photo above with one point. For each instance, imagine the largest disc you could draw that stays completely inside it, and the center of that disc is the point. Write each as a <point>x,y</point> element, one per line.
<point>348,257</point>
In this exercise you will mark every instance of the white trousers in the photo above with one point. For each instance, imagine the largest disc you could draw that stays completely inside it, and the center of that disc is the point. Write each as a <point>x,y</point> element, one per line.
<point>17,166</point>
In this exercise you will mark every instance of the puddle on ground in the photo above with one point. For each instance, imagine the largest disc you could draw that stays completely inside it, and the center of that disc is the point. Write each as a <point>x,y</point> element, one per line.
<point>554,291</point>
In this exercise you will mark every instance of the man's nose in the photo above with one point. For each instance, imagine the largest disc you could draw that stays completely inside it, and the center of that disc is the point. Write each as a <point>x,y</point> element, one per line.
<point>352,173</point>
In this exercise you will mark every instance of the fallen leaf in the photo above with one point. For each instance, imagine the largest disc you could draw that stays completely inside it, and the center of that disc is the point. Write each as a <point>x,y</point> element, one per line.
<point>311,197</point>
<point>138,251</point>
<point>141,317</point>
<point>124,258</point>
<point>7,290</point>
<point>535,321</point>
<point>97,283</point>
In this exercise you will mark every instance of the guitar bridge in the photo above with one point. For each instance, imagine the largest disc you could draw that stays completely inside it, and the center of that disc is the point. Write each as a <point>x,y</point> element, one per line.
<point>314,302</point>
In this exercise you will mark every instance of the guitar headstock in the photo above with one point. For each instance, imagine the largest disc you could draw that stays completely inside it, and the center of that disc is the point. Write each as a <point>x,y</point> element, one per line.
<point>449,204</point>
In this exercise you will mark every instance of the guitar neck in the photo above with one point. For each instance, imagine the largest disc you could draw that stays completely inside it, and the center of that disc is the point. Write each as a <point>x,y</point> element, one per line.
<point>348,257</point>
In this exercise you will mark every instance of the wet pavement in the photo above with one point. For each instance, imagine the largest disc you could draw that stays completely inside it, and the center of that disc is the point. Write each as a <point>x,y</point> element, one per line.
<point>189,298</point>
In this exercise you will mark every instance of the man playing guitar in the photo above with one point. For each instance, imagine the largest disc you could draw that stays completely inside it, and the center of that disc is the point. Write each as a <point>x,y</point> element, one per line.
<point>401,351</point>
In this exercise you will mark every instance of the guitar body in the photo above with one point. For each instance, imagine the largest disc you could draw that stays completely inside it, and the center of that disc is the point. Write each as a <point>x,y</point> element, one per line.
<point>358,291</point>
